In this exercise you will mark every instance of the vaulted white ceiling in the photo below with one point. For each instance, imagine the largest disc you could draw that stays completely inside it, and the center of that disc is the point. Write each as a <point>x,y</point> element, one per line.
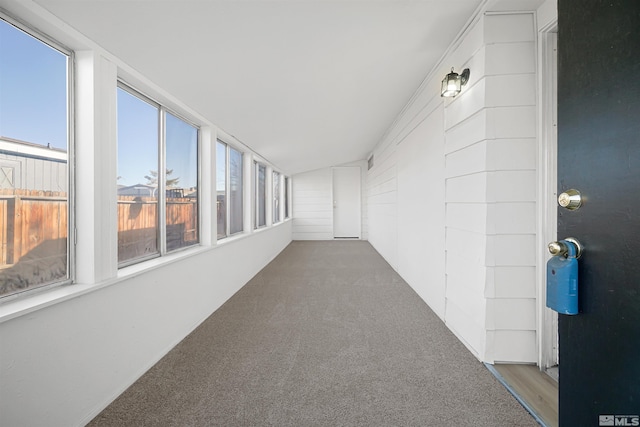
<point>306,84</point>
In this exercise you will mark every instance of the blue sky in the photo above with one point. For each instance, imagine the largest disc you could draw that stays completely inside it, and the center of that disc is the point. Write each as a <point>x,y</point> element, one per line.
<point>182,151</point>
<point>137,139</point>
<point>33,89</point>
<point>138,143</point>
<point>221,167</point>
<point>33,108</point>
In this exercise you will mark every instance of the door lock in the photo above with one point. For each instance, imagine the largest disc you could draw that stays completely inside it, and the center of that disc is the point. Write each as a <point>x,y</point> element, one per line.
<point>570,199</point>
<point>561,248</point>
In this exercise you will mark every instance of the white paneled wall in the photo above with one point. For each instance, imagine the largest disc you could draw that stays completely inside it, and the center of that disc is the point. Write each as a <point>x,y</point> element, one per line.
<point>313,204</point>
<point>382,203</point>
<point>452,194</point>
<point>511,196</point>
<point>490,157</point>
<point>420,203</point>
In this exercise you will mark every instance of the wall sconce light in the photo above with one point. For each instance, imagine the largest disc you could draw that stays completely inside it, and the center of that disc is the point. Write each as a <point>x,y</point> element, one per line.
<point>453,82</point>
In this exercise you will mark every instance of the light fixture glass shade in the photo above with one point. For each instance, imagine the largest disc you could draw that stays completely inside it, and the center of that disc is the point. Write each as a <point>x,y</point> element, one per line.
<point>451,84</point>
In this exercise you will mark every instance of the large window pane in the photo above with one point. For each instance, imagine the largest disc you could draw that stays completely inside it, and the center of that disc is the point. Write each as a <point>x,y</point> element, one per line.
<point>181,183</point>
<point>137,177</point>
<point>34,183</point>
<point>221,188</point>
<point>261,201</point>
<point>276,197</point>
<point>235,191</point>
<point>229,188</point>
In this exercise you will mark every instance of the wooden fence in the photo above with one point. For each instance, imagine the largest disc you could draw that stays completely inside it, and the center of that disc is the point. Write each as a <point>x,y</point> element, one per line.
<point>31,217</point>
<point>137,225</point>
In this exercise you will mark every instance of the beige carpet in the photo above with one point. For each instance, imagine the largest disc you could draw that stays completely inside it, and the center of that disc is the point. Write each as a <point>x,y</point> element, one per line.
<point>326,335</point>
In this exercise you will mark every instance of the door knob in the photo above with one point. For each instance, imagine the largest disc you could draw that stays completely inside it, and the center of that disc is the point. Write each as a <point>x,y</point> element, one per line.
<point>560,248</point>
<point>570,199</point>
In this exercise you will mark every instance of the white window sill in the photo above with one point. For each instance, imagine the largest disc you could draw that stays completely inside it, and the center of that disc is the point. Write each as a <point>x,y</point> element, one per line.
<point>150,264</point>
<point>51,295</point>
<point>245,234</point>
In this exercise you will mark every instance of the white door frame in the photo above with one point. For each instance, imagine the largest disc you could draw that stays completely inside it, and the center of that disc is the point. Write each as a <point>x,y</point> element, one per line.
<point>357,235</point>
<point>547,188</point>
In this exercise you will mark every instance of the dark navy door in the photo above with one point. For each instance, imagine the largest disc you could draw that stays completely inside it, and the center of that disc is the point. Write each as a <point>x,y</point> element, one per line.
<point>599,155</point>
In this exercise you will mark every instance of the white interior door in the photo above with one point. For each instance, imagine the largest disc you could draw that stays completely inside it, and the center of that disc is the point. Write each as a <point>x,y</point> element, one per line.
<point>346,202</point>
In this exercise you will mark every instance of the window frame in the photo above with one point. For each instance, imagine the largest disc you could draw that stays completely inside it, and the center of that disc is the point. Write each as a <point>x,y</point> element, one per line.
<point>227,190</point>
<point>161,233</point>
<point>256,200</point>
<point>70,161</point>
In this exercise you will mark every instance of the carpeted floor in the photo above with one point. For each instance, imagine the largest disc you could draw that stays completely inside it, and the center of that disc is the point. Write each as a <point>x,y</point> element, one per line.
<point>326,335</point>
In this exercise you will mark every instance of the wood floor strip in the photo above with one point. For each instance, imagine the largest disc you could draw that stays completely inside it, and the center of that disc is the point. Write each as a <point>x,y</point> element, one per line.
<point>537,391</point>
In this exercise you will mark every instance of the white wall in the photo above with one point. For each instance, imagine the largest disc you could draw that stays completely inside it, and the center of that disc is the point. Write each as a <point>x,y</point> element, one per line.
<point>421,210</point>
<point>452,195</point>
<point>312,203</point>
<point>491,150</point>
<point>67,352</point>
<point>381,195</point>
<point>405,194</point>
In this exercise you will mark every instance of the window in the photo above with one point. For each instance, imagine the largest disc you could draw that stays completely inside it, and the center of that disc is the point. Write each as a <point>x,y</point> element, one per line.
<point>157,179</point>
<point>221,188</point>
<point>235,192</point>
<point>261,195</point>
<point>229,190</point>
<point>286,197</point>
<point>276,197</point>
<point>34,171</point>
<point>181,183</point>
<point>138,139</point>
